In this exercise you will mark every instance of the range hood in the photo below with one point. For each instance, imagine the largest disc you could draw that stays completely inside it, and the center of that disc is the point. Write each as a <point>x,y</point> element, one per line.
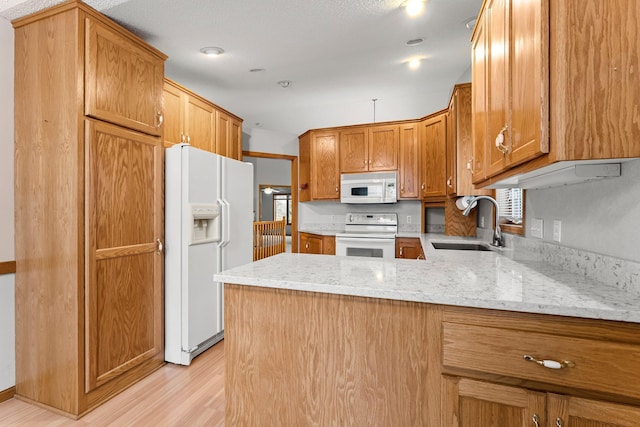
<point>563,173</point>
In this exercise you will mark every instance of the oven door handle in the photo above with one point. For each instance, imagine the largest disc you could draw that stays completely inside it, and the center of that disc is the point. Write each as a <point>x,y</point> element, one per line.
<point>365,240</point>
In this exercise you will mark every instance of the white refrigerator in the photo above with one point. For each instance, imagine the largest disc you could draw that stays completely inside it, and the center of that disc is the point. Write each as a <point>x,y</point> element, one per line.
<point>208,228</point>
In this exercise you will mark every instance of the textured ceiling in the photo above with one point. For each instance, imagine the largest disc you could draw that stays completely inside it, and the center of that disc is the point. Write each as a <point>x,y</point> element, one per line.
<point>338,55</point>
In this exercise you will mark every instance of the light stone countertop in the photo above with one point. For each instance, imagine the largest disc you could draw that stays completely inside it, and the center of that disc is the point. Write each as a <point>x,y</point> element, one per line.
<point>450,277</point>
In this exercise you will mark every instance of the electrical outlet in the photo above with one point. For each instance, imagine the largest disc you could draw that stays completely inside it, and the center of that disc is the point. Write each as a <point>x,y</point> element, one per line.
<point>482,222</point>
<point>408,219</point>
<point>557,230</point>
<point>537,228</point>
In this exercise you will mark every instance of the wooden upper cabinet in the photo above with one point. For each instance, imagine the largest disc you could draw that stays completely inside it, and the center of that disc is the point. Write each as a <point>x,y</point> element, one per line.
<point>459,144</point>
<point>510,71</point>
<point>384,142</point>
<point>188,118</point>
<point>479,102</point>
<point>123,81</point>
<point>191,119</point>
<point>319,165</point>
<point>125,206</point>
<point>433,142</point>
<point>228,136</point>
<point>325,166</point>
<point>369,149</point>
<point>409,167</point>
<point>173,99</point>
<point>354,150</point>
<point>590,100</point>
<point>199,123</point>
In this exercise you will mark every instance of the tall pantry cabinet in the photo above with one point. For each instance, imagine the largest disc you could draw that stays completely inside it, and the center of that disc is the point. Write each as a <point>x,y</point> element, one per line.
<point>88,208</point>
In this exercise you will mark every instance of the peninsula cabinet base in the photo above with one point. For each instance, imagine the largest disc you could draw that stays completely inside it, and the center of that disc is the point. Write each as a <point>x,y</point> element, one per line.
<point>302,358</point>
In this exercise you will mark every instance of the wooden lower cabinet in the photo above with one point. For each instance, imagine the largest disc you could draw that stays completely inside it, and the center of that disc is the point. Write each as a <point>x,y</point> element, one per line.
<point>409,248</point>
<point>317,244</point>
<point>489,382</point>
<point>468,402</point>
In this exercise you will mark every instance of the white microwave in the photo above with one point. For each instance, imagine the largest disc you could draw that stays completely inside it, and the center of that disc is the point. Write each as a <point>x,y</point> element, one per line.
<point>370,187</point>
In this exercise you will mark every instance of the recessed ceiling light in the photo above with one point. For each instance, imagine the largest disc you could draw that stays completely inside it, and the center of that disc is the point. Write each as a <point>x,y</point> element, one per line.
<point>257,70</point>
<point>414,7</point>
<point>414,64</point>
<point>212,51</point>
<point>284,83</point>
<point>414,42</point>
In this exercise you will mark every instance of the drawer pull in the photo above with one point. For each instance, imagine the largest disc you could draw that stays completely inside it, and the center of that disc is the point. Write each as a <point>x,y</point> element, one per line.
<point>551,364</point>
<point>558,422</point>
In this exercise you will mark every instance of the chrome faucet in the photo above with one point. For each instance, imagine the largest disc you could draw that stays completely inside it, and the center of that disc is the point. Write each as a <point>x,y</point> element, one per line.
<point>497,233</point>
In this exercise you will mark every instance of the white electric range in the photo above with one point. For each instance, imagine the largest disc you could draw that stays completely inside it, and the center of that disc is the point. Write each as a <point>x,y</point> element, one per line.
<point>368,235</point>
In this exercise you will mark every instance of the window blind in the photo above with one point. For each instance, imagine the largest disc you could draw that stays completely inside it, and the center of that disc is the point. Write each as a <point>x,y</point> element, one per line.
<point>510,202</point>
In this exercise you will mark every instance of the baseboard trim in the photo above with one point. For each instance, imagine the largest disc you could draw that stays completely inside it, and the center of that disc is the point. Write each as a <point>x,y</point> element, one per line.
<point>7,394</point>
<point>7,267</point>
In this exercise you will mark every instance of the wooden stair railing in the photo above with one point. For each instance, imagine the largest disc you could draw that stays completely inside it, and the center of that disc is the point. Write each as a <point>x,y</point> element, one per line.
<point>269,238</point>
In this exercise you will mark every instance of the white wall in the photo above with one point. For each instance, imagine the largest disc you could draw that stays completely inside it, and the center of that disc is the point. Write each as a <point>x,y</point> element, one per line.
<point>7,282</point>
<point>267,141</point>
<point>270,172</point>
<point>600,216</point>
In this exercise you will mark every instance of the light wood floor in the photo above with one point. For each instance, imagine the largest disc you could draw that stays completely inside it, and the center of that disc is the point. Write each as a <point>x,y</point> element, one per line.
<point>172,396</point>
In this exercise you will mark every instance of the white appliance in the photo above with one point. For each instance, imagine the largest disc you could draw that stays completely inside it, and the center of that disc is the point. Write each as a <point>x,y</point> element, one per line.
<point>370,187</point>
<point>368,235</point>
<point>208,228</point>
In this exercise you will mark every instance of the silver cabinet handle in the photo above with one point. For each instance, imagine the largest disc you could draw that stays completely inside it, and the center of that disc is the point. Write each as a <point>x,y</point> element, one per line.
<point>182,137</point>
<point>188,139</point>
<point>159,119</point>
<point>551,364</point>
<point>337,189</point>
<point>401,252</point>
<point>558,422</point>
<point>536,420</point>
<point>159,246</point>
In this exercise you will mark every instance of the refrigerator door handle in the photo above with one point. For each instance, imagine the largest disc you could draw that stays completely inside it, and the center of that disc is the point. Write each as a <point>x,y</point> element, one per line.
<point>225,223</point>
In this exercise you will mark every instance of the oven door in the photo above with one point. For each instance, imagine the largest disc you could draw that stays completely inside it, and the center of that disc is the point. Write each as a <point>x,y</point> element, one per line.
<point>366,247</point>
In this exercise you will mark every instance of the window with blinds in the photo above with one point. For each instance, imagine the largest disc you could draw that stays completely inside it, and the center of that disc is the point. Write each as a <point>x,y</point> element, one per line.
<point>511,205</point>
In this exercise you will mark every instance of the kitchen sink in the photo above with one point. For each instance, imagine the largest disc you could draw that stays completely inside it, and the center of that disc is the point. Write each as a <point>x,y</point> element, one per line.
<point>461,246</point>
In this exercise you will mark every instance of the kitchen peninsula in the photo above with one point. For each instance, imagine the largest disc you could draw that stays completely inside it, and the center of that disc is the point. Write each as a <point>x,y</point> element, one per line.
<point>326,340</point>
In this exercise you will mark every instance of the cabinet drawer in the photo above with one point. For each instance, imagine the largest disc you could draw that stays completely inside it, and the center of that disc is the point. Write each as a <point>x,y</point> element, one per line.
<point>602,366</point>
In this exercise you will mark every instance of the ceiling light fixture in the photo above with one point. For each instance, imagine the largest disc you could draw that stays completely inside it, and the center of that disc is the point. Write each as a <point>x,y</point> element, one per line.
<point>414,7</point>
<point>212,51</point>
<point>414,64</point>
<point>257,70</point>
<point>414,42</point>
<point>470,23</point>
<point>284,83</point>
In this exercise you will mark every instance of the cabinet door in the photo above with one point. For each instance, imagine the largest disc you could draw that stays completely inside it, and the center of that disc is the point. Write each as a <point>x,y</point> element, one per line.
<point>310,244</point>
<point>123,81</point>
<point>223,126</point>
<point>199,127</point>
<point>409,170</point>
<point>568,411</point>
<point>384,142</point>
<point>470,403</point>
<point>173,100</point>
<point>529,76</point>
<point>479,103</point>
<point>325,166</point>
<point>433,156</point>
<point>354,150</point>
<point>123,288</point>
<point>498,82</point>
<point>234,150</point>
<point>451,152</point>
<point>408,248</point>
